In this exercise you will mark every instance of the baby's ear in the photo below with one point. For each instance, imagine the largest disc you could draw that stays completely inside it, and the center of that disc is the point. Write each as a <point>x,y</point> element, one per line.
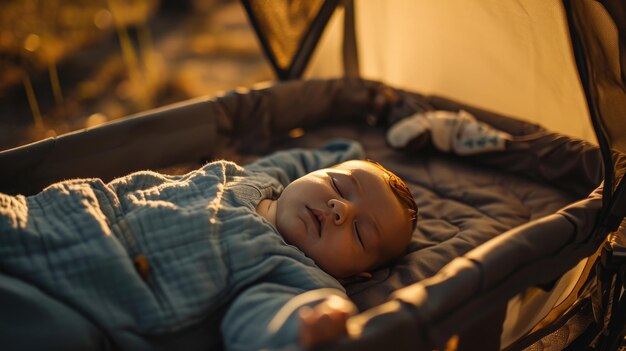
<point>357,278</point>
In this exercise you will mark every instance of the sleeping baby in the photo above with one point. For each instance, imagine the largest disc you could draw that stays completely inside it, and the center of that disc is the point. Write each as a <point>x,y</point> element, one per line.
<point>243,258</point>
<point>252,255</point>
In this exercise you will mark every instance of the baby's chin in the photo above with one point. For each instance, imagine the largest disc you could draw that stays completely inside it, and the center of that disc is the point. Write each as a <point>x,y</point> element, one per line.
<point>310,254</point>
<point>295,238</point>
<point>335,272</point>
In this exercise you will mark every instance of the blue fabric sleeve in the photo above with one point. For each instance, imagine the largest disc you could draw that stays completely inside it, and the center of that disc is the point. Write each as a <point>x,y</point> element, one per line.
<point>265,317</point>
<point>287,166</point>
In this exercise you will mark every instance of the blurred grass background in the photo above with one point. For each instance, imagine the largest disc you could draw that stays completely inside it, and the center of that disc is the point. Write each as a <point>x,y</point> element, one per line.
<point>71,64</point>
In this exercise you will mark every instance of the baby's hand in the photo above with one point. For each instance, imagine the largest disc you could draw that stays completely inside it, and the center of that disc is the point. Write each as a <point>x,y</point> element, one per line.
<point>325,322</point>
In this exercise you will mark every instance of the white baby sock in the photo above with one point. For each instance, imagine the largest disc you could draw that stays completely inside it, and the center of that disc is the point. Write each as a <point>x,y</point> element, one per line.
<point>457,132</point>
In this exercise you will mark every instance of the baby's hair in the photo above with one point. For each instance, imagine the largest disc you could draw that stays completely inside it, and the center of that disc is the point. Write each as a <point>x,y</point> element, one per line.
<point>402,192</point>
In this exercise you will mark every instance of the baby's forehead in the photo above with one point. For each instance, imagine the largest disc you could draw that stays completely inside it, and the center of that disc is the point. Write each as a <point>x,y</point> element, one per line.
<point>359,165</point>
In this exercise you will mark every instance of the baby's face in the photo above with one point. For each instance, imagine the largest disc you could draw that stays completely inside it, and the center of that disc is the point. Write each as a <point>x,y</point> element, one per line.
<point>346,218</point>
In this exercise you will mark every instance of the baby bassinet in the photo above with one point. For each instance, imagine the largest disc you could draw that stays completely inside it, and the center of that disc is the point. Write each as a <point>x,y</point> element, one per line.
<point>529,232</point>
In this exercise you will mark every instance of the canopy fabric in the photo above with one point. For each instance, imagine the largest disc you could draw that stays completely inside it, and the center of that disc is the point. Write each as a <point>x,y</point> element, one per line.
<point>285,24</point>
<point>512,57</point>
<point>288,30</point>
<point>601,26</point>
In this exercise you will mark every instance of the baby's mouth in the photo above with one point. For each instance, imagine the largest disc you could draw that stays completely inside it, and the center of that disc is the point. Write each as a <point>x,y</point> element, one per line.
<point>316,219</point>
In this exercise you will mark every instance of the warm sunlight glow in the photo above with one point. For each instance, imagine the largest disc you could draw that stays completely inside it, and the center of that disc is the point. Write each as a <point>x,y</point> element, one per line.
<point>32,42</point>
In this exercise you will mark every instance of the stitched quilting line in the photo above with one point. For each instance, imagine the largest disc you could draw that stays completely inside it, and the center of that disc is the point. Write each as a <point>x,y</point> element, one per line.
<point>566,197</point>
<point>443,195</point>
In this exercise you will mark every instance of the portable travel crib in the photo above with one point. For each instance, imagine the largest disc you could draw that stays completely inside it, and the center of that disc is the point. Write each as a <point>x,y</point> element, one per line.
<point>427,299</point>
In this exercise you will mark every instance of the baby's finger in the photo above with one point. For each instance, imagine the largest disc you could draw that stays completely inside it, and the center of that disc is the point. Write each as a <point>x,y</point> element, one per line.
<point>317,328</point>
<point>331,325</point>
<point>340,304</point>
<point>306,333</point>
<point>306,314</point>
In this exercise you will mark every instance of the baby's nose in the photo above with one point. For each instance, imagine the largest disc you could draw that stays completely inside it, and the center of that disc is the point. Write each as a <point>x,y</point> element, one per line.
<point>339,210</point>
